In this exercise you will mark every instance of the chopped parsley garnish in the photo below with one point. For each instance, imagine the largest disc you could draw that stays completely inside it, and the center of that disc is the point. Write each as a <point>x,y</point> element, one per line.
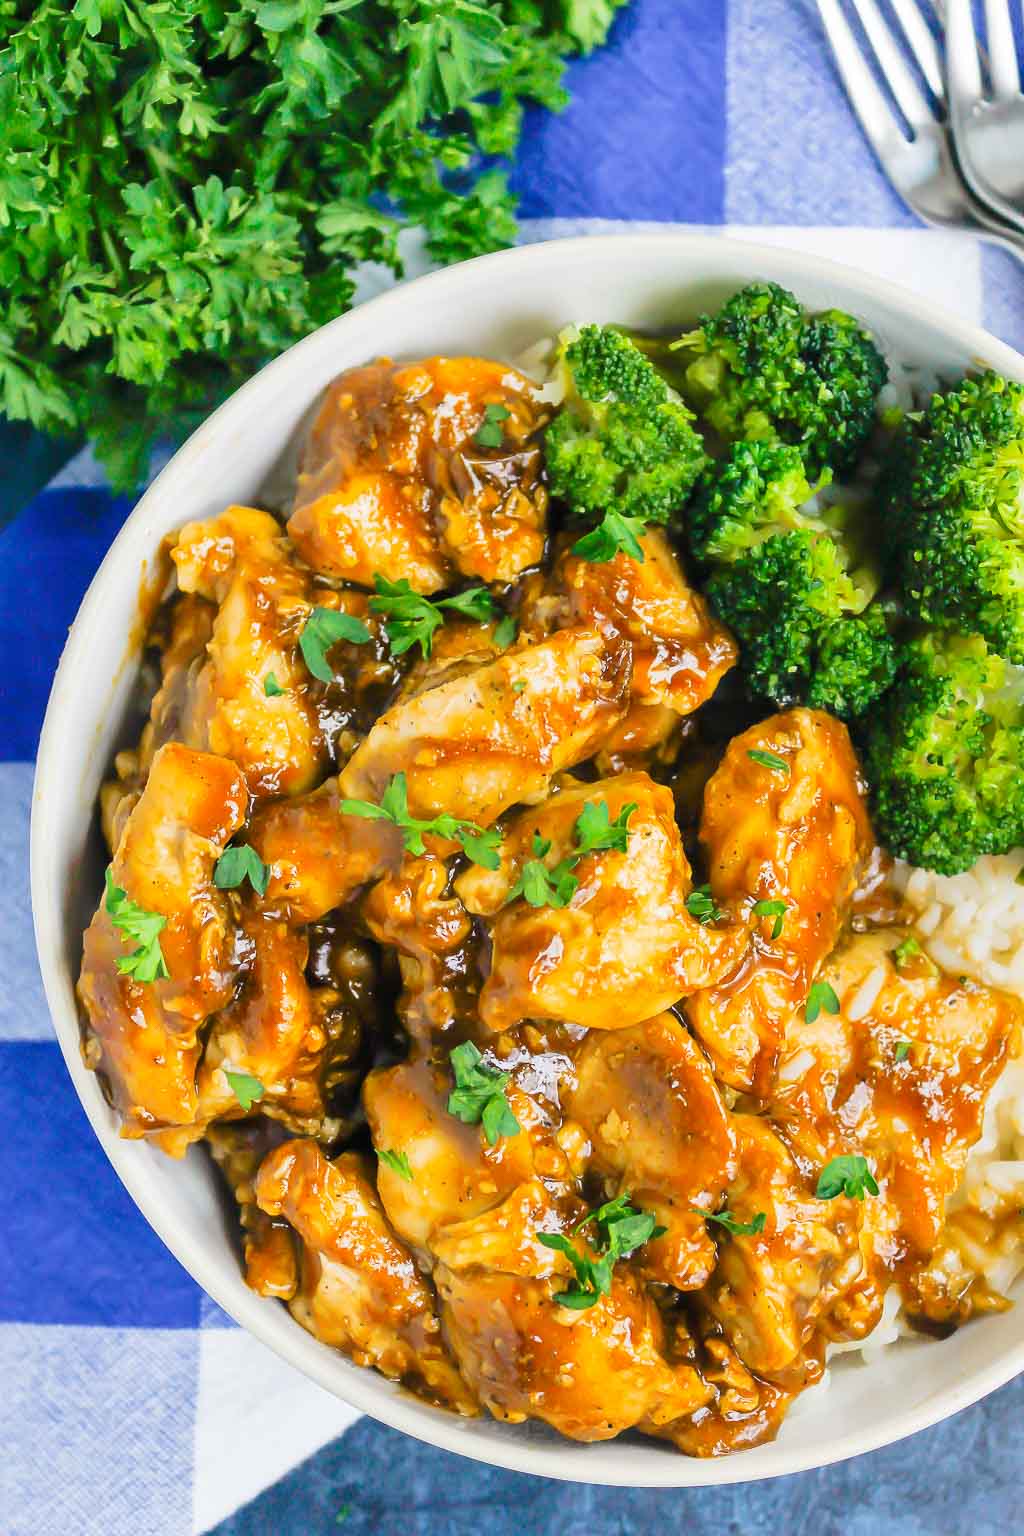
<point>146,963</point>
<point>490,433</point>
<point>727,1220</point>
<point>248,1090</point>
<point>701,905</point>
<point>846,1175</point>
<point>190,186</point>
<point>324,628</point>
<point>909,955</point>
<point>615,532</point>
<point>479,844</point>
<point>505,633</point>
<point>594,832</point>
<point>821,996</point>
<point>776,909</point>
<point>237,863</point>
<point>905,951</point>
<point>768,760</point>
<point>271,687</point>
<point>621,1230</point>
<point>411,619</point>
<point>519,686</point>
<point>902,1050</point>
<point>479,1094</point>
<point>397,1162</point>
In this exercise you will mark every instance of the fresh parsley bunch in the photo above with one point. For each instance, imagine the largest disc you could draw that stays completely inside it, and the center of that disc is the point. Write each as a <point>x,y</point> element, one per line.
<point>186,185</point>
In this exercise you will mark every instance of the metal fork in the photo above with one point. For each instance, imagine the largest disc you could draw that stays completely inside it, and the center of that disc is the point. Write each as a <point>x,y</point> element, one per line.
<point>987,131</point>
<point>922,167</point>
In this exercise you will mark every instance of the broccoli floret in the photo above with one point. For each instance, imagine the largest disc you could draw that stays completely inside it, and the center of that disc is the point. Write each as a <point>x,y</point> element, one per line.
<point>854,665</point>
<point>763,368</point>
<point>782,600</point>
<point>789,583</point>
<point>952,493</point>
<point>621,443</point>
<point>756,490</point>
<point>944,754</point>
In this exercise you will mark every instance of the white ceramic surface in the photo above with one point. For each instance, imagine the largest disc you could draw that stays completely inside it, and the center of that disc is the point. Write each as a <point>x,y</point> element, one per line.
<point>497,305</point>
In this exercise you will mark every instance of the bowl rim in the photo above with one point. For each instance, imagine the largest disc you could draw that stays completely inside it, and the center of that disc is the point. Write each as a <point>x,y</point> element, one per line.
<point>365,1391</point>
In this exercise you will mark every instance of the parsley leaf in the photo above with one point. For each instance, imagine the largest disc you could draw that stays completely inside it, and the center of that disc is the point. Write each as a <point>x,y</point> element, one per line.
<point>271,687</point>
<point>238,862</point>
<point>595,829</point>
<point>479,844</point>
<point>324,628</point>
<point>490,434</point>
<point>144,928</point>
<point>398,1162</point>
<point>248,1090</point>
<point>904,951</point>
<point>594,832</point>
<point>613,533</point>
<point>701,904</point>
<point>727,1220</point>
<point>621,1229</point>
<point>189,187</point>
<point>411,619</point>
<point>479,1094</point>
<point>768,760</point>
<point>909,956</point>
<point>776,909</point>
<point>821,995</point>
<point>902,1050</point>
<point>846,1175</point>
<point>594,1275</point>
<point>504,635</point>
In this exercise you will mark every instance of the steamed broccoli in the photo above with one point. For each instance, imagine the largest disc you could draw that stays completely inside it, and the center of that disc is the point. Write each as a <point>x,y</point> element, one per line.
<point>952,494</point>
<point>763,368</point>
<point>945,754</point>
<point>789,584</point>
<point>621,447</point>
<point>757,489</point>
<point>854,665</point>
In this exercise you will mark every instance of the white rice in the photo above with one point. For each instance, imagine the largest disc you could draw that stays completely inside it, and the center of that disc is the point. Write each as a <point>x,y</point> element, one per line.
<point>972,925</point>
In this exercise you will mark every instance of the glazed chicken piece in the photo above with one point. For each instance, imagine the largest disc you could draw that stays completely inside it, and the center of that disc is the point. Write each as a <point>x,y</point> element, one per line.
<point>590,1374</point>
<point>745,1410</point>
<point>457,1175</point>
<point>317,857</point>
<point>410,912</point>
<point>460,646</point>
<point>784,820</point>
<point>394,479</point>
<point>241,561</point>
<point>498,735</point>
<point>359,1290</point>
<point>271,1267</point>
<point>901,1074</point>
<point>472,747</point>
<point>625,947</point>
<point>680,652</point>
<point>771,1289</point>
<point>143,1036</point>
<point>277,1031</point>
<point>183,653</point>
<point>649,1104</point>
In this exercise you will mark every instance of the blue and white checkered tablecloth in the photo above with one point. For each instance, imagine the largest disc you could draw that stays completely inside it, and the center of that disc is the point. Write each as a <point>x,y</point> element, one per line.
<point>129,1403</point>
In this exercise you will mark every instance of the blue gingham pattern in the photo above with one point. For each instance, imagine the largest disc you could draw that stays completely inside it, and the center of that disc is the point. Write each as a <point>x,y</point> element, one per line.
<point>130,1404</point>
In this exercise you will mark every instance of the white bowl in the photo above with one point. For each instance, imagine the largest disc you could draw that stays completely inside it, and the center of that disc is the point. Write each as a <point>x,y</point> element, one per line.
<point>497,305</point>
